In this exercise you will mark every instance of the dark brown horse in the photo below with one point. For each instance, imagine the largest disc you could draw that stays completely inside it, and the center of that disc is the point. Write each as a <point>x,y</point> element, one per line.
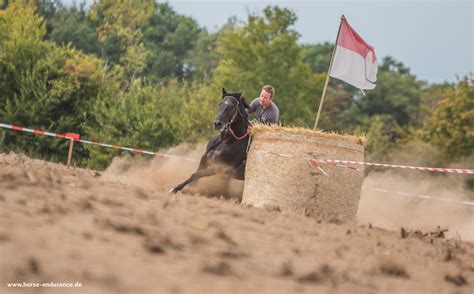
<point>226,152</point>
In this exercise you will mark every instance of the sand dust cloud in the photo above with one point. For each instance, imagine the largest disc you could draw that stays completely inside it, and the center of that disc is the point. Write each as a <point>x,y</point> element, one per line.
<point>163,173</point>
<point>395,210</point>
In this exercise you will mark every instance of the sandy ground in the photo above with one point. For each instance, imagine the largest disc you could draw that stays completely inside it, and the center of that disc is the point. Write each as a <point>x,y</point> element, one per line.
<point>120,232</point>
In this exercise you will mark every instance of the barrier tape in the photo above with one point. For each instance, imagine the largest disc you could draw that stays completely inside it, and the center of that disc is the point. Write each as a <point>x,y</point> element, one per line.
<point>312,160</point>
<point>338,162</point>
<point>420,168</point>
<point>316,165</point>
<point>419,196</point>
<point>38,132</point>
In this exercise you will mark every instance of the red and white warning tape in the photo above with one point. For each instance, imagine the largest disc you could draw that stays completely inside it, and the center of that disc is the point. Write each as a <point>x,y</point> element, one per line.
<point>418,196</point>
<point>336,162</point>
<point>313,161</point>
<point>421,168</point>
<point>17,128</point>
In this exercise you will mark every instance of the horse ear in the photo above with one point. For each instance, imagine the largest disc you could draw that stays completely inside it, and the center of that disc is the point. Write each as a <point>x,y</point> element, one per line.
<point>223,91</point>
<point>244,102</point>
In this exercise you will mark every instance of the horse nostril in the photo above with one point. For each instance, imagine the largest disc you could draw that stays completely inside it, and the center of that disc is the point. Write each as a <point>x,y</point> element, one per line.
<point>217,124</point>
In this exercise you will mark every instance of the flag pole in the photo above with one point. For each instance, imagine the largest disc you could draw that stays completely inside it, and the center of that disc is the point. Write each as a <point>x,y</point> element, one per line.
<point>327,76</point>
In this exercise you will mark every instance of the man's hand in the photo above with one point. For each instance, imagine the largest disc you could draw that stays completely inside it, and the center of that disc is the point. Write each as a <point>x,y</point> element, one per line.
<point>250,129</point>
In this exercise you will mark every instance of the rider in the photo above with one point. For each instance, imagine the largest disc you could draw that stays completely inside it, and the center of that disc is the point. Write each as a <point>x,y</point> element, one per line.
<point>265,109</point>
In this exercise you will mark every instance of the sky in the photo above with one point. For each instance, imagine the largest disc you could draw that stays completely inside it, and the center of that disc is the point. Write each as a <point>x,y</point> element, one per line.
<point>435,39</point>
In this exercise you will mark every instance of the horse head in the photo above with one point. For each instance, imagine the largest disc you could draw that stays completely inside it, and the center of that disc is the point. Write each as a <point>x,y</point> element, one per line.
<point>232,107</point>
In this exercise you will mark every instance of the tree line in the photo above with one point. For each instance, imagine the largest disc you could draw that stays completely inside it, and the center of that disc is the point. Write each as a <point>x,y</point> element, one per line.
<point>139,74</point>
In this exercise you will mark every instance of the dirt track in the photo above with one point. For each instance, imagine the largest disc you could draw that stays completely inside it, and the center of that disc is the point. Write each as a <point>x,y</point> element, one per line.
<point>66,225</point>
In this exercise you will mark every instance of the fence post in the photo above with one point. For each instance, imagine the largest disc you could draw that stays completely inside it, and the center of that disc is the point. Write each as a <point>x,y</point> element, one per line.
<point>71,137</point>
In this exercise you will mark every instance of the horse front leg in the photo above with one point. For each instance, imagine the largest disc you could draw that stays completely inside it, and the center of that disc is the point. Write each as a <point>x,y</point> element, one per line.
<point>239,172</point>
<point>206,172</point>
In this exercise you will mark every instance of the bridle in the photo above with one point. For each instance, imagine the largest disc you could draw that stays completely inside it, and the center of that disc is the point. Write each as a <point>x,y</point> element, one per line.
<point>228,125</point>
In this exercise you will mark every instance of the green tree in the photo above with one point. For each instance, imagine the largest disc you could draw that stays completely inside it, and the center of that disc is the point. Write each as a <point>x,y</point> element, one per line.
<point>382,135</point>
<point>204,58</point>
<point>317,56</point>
<point>120,29</point>
<point>430,97</point>
<point>72,25</point>
<point>265,51</point>
<point>397,93</point>
<point>42,86</point>
<point>170,38</point>
<point>132,118</point>
<point>336,113</point>
<point>151,117</point>
<point>450,127</point>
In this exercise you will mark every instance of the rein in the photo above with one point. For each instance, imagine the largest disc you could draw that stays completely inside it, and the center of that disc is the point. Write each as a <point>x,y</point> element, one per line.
<point>239,138</point>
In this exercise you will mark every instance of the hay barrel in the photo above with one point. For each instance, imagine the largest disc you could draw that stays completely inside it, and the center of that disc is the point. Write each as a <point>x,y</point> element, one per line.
<point>292,183</point>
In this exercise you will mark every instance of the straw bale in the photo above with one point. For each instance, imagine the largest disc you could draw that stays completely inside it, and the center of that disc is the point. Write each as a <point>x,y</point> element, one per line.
<point>293,183</point>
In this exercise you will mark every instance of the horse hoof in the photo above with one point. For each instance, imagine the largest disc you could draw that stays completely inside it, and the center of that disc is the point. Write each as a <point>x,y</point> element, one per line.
<point>173,190</point>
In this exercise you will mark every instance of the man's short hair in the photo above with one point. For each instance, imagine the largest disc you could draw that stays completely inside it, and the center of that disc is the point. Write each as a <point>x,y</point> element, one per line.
<point>269,89</point>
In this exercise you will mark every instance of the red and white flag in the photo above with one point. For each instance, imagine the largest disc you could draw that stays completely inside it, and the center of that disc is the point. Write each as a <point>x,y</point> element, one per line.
<point>354,61</point>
